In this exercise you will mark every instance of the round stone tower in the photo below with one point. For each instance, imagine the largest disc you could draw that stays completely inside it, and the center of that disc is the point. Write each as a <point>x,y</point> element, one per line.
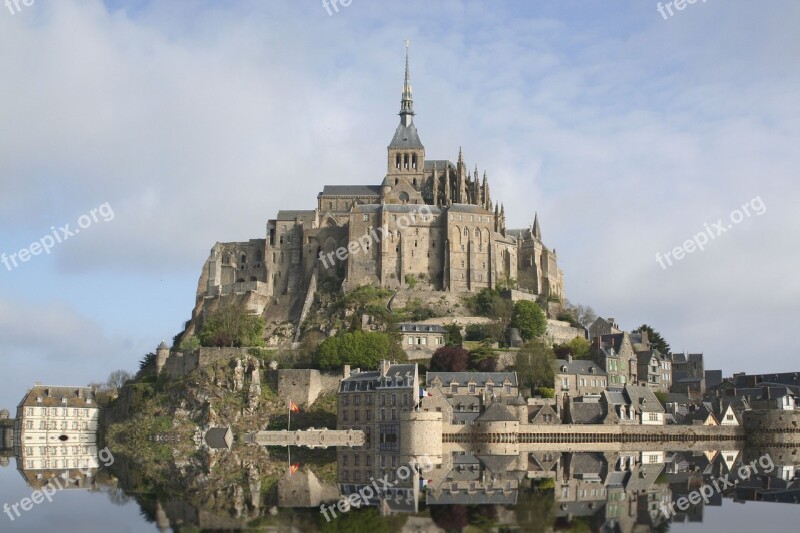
<point>162,352</point>
<point>421,437</point>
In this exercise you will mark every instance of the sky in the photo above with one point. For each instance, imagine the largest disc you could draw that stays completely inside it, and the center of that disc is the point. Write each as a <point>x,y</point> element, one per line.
<point>159,128</point>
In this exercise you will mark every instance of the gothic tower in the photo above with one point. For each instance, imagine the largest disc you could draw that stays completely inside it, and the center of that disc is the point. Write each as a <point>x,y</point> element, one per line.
<point>406,155</point>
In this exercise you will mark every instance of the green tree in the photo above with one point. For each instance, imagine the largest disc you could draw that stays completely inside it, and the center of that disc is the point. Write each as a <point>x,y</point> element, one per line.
<point>453,335</point>
<point>534,364</point>
<point>657,342</point>
<point>483,359</point>
<point>364,349</point>
<point>579,347</point>
<point>147,366</point>
<point>529,319</point>
<point>189,343</point>
<point>232,325</point>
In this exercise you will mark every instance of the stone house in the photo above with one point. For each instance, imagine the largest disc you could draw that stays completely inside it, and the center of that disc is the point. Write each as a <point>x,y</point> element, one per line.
<point>500,384</point>
<point>419,341</point>
<point>576,377</point>
<point>644,404</point>
<point>603,326</point>
<point>688,373</point>
<point>655,370</point>
<point>57,429</point>
<point>769,397</point>
<point>615,353</point>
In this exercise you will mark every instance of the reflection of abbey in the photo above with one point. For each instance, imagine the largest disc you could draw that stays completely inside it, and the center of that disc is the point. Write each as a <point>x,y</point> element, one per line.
<point>432,220</point>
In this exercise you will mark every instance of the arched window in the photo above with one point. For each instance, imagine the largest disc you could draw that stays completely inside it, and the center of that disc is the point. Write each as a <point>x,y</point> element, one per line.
<point>397,161</point>
<point>244,258</point>
<point>477,233</point>
<point>414,162</point>
<point>466,232</point>
<point>405,161</point>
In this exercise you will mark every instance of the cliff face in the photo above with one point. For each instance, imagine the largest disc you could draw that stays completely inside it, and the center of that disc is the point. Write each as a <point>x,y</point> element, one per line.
<point>155,431</point>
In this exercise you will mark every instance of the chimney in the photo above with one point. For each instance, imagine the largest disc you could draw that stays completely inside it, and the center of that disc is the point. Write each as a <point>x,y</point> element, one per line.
<point>346,371</point>
<point>569,357</point>
<point>384,366</point>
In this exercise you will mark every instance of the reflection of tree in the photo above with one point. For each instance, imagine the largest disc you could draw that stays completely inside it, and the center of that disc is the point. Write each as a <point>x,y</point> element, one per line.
<point>535,510</point>
<point>450,517</point>
<point>364,520</point>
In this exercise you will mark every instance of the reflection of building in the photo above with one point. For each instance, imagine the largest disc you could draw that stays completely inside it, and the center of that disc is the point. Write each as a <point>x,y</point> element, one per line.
<point>378,403</point>
<point>57,429</point>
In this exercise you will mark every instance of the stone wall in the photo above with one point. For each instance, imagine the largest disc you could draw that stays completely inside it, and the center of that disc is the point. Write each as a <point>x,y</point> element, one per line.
<point>180,364</point>
<point>304,386</point>
<point>560,332</point>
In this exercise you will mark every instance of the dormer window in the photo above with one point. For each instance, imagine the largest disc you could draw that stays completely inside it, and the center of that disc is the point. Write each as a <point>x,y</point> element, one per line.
<point>564,368</point>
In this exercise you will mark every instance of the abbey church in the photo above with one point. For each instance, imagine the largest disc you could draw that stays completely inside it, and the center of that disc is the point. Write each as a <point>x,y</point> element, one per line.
<point>431,221</point>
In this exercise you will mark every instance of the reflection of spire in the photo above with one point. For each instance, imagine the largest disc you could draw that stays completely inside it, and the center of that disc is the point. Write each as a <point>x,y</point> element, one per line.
<point>407,103</point>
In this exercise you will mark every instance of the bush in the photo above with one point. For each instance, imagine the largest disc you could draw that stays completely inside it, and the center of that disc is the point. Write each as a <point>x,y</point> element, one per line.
<point>359,348</point>
<point>411,281</point>
<point>232,325</point>
<point>546,392</point>
<point>453,336</point>
<point>477,332</point>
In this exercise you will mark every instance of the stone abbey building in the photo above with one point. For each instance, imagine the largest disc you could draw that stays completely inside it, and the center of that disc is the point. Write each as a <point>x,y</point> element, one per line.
<point>430,220</point>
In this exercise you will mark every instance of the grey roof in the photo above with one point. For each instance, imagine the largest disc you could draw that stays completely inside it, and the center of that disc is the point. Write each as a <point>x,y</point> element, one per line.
<point>422,328</point>
<point>579,366</point>
<point>412,208</point>
<point>587,463</point>
<point>615,397</point>
<point>366,208</point>
<point>497,464</point>
<point>468,208</point>
<point>587,413</point>
<point>351,190</point>
<point>643,399</point>
<point>406,137</point>
<point>480,378</point>
<point>440,164</point>
<point>294,214</point>
<point>163,346</point>
<point>496,412</point>
<point>479,497</point>
<point>219,438</point>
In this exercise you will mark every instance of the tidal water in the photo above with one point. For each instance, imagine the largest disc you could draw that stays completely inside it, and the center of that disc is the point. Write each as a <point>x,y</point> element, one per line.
<point>606,490</point>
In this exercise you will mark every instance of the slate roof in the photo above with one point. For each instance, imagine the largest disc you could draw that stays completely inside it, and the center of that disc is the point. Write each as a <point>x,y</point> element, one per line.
<point>440,164</point>
<point>467,208</point>
<point>587,413</point>
<point>351,190</point>
<point>412,208</point>
<point>219,438</point>
<point>643,399</point>
<point>294,214</point>
<point>480,378</point>
<point>579,366</point>
<point>52,397</point>
<point>496,412</point>
<point>422,328</point>
<point>406,137</point>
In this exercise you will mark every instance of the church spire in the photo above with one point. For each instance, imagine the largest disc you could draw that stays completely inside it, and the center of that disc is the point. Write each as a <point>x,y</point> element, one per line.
<point>537,231</point>
<point>407,103</point>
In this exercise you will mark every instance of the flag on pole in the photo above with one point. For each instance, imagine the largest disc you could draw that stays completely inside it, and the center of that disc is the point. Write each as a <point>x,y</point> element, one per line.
<point>294,468</point>
<point>293,407</point>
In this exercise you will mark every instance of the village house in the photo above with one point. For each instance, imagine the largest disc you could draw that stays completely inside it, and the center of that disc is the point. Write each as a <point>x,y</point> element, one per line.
<point>615,353</point>
<point>57,429</point>
<point>576,377</point>
<point>655,370</point>
<point>419,341</point>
